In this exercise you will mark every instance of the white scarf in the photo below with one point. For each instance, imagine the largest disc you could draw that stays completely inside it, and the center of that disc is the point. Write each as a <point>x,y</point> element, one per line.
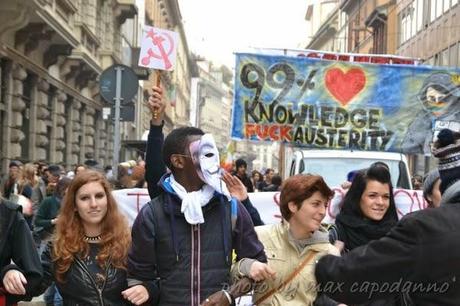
<point>192,202</point>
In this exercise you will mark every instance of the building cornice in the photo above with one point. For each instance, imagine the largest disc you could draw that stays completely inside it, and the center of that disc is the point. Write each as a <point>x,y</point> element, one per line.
<point>83,56</point>
<point>377,16</point>
<point>59,27</point>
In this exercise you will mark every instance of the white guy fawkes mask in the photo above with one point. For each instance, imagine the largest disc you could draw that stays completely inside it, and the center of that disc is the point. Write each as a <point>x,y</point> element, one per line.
<point>205,157</point>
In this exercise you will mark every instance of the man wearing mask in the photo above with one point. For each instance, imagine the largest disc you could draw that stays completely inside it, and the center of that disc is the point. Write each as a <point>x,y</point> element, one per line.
<point>182,241</point>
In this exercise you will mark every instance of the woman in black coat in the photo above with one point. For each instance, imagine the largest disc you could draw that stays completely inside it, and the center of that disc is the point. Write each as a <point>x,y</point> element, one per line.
<point>368,212</point>
<point>87,256</point>
<point>16,244</point>
<point>419,256</point>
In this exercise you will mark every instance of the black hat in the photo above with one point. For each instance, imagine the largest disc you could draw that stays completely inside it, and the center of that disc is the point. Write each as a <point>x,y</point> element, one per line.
<point>15,163</point>
<point>447,150</point>
<point>54,170</point>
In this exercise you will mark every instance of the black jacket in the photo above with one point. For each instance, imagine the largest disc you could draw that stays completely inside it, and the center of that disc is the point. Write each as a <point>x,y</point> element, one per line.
<point>181,264</point>
<point>80,287</point>
<point>16,244</point>
<point>420,255</point>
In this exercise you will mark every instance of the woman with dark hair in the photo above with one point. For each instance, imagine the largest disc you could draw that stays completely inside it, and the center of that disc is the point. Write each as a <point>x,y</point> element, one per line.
<point>368,212</point>
<point>368,209</point>
<point>46,217</point>
<point>275,184</point>
<point>87,257</point>
<point>256,179</point>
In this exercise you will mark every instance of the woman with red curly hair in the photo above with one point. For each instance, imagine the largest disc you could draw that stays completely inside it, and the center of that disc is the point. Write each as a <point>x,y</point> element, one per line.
<point>87,257</point>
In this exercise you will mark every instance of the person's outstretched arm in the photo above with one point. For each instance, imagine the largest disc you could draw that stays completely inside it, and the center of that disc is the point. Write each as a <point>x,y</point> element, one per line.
<point>154,164</point>
<point>363,273</point>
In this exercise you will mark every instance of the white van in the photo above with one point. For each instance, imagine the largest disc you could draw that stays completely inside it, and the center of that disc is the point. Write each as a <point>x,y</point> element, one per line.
<point>334,165</point>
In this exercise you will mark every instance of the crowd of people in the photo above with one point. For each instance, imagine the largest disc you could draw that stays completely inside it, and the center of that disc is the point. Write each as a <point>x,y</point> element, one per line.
<point>200,241</point>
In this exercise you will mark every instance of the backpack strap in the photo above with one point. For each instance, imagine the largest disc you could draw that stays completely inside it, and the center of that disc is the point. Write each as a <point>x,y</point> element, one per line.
<point>333,233</point>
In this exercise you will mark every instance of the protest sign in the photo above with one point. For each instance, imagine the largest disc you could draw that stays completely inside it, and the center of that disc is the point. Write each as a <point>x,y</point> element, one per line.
<point>158,48</point>
<point>326,104</point>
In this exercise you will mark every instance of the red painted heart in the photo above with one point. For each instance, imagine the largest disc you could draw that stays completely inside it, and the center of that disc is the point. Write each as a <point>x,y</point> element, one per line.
<point>344,86</point>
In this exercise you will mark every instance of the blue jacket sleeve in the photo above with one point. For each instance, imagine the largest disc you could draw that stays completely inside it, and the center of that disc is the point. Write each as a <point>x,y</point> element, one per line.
<point>245,240</point>
<point>154,164</point>
<point>255,217</point>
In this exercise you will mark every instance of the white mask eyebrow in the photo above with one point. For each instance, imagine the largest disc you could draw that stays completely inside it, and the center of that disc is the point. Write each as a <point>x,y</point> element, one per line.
<point>209,155</point>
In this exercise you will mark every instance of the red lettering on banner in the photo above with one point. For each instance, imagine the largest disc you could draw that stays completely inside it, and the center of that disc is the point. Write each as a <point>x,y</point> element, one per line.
<point>138,195</point>
<point>329,56</point>
<point>262,131</point>
<point>276,199</point>
<point>338,192</point>
<point>380,60</point>
<point>363,59</point>
<point>285,133</point>
<point>313,55</point>
<point>421,204</point>
<point>359,58</point>
<point>345,58</point>
<point>250,130</point>
<point>273,131</point>
<point>403,61</point>
<point>405,193</point>
<point>417,202</point>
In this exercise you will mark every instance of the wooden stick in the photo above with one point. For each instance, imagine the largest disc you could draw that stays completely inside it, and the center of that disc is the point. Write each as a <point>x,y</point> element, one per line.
<point>158,83</point>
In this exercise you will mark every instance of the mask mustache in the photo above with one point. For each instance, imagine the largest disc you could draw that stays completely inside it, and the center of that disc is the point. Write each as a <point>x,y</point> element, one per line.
<point>217,170</point>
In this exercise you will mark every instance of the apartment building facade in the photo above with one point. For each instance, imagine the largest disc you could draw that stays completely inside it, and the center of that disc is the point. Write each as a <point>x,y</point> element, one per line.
<point>51,54</point>
<point>430,30</point>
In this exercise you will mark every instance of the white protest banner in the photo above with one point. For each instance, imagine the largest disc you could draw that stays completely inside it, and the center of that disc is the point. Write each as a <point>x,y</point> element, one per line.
<point>130,201</point>
<point>158,48</point>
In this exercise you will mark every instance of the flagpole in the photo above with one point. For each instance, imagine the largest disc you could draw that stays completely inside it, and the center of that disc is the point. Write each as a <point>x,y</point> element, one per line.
<point>158,83</point>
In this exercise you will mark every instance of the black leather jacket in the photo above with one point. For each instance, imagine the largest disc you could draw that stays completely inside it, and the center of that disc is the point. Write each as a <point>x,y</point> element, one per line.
<point>80,287</point>
<point>16,244</point>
